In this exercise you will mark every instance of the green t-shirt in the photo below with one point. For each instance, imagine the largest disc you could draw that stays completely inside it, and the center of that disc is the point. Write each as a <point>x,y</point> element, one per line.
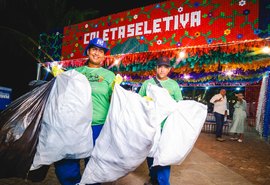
<point>169,84</point>
<point>100,80</point>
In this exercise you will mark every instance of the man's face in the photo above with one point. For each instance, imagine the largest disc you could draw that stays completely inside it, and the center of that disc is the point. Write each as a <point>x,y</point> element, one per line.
<point>96,55</point>
<point>162,72</point>
<point>223,92</point>
<point>240,96</point>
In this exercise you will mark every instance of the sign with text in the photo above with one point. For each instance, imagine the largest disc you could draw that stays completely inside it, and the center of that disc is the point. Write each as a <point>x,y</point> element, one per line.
<point>167,25</point>
<point>5,97</point>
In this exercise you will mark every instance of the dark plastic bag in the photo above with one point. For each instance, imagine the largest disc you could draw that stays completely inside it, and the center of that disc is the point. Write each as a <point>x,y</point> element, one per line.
<point>20,125</point>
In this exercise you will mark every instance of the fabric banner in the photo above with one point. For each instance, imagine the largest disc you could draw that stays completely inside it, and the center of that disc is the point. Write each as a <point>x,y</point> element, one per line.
<point>167,25</point>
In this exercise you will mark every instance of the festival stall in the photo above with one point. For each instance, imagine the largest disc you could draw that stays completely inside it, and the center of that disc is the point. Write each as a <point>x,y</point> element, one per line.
<point>210,43</point>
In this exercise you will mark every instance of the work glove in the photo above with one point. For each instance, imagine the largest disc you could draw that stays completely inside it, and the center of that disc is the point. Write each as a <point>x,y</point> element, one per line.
<point>117,80</point>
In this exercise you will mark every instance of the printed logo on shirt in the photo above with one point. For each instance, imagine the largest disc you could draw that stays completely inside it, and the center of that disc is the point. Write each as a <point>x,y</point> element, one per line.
<point>94,77</point>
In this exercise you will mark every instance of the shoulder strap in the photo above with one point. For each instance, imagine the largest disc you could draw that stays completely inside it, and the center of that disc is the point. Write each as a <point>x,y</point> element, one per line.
<point>157,82</point>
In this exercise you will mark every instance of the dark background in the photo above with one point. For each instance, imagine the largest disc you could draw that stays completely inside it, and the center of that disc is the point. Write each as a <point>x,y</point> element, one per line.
<point>21,22</point>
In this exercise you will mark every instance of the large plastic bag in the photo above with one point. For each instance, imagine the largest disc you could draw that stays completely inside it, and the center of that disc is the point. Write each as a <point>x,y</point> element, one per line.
<point>20,125</point>
<point>66,129</point>
<point>125,140</point>
<point>180,132</point>
<point>164,106</point>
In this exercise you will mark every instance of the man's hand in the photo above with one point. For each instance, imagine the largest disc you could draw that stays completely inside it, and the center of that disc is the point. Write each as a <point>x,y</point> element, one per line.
<point>56,70</point>
<point>117,80</point>
<point>220,99</point>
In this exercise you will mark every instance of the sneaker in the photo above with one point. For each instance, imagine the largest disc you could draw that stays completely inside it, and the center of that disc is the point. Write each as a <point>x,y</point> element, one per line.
<point>240,140</point>
<point>220,139</point>
<point>234,138</point>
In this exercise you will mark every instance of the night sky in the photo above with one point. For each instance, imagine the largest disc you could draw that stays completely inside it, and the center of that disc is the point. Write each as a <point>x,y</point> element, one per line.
<point>23,20</point>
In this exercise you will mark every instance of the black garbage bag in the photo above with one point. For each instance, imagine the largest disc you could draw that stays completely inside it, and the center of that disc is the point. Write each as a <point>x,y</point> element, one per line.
<point>20,125</point>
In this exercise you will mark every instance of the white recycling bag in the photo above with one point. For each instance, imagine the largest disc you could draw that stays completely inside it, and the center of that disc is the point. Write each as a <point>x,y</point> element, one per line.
<point>66,129</point>
<point>125,139</point>
<point>180,133</point>
<point>164,105</point>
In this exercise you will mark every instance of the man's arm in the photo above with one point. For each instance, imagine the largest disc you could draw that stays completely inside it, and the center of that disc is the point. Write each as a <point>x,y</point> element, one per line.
<point>178,94</point>
<point>142,90</point>
<point>215,99</point>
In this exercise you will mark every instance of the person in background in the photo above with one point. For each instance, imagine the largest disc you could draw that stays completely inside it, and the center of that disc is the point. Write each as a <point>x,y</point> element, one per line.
<point>101,81</point>
<point>161,174</point>
<point>220,112</point>
<point>239,118</point>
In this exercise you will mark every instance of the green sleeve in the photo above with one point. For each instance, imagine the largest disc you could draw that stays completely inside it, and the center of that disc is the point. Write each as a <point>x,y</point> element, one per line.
<point>142,90</point>
<point>178,93</point>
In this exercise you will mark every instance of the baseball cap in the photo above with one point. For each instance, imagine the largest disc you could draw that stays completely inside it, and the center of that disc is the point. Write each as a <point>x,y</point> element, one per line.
<point>163,61</point>
<point>98,42</point>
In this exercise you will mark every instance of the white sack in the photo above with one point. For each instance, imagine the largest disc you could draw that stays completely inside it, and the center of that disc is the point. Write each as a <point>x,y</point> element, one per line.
<point>66,129</point>
<point>125,139</point>
<point>180,133</point>
<point>164,105</point>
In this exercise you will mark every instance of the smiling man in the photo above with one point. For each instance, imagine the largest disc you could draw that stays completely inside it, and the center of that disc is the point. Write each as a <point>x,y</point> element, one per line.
<point>101,80</point>
<point>160,175</point>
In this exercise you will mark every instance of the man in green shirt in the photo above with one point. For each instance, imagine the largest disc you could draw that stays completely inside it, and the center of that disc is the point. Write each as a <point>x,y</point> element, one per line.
<point>161,174</point>
<point>101,80</point>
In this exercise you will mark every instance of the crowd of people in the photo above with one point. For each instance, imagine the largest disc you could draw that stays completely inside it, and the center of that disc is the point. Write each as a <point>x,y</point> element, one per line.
<point>102,81</point>
<point>221,111</point>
